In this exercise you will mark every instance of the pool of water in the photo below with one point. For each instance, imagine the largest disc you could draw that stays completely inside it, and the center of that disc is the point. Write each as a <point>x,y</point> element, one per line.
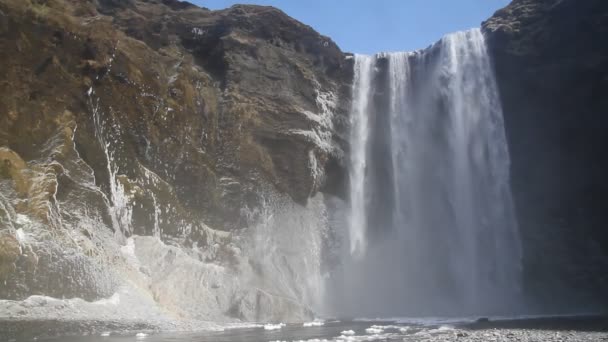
<point>312,332</point>
<point>572,328</point>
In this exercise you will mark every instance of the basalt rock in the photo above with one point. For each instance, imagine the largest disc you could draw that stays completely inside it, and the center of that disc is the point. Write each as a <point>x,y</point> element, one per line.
<point>552,71</point>
<point>154,118</point>
<point>169,122</point>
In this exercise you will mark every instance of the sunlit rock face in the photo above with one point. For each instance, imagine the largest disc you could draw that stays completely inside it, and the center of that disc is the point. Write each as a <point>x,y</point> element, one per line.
<point>170,148</point>
<point>160,161</point>
<point>552,71</point>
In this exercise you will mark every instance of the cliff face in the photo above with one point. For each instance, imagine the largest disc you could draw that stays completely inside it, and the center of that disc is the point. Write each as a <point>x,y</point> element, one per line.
<point>552,68</point>
<point>154,118</point>
<point>207,135</point>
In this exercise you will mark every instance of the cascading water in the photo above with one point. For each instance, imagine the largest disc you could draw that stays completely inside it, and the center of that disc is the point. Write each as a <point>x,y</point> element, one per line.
<point>359,134</point>
<point>431,219</point>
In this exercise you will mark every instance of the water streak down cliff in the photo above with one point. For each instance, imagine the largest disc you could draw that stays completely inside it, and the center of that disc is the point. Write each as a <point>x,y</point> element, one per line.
<point>432,224</point>
<point>166,156</point>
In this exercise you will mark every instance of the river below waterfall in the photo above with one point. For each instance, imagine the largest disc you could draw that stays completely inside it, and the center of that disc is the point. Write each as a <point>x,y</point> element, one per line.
<point>574,328</point>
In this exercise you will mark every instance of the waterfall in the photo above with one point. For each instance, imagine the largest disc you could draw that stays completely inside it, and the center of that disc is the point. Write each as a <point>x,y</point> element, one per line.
<point>431,218</point>
<point>358,138</point>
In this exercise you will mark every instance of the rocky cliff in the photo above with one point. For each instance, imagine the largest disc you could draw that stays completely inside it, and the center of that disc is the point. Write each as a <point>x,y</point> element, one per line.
<point>164,158</point>
<point>551,62</point>
<point>160,118</point>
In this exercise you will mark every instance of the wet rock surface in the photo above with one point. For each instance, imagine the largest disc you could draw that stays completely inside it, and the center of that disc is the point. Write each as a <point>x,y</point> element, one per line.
<point>160,118</point>
<point>552,72</point>
<point>517,335</point>
<point>214,103</point>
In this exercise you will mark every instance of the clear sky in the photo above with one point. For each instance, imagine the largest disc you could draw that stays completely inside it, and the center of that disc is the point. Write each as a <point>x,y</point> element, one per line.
<point>370,26</point>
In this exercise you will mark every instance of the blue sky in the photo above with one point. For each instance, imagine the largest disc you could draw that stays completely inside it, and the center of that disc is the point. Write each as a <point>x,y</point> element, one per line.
<point>370,26</point>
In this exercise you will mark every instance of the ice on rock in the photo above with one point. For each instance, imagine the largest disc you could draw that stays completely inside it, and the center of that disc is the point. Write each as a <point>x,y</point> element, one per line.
<point>23,219</point>
<point>113,300</point>
<point>20,236</point>
<point>273,326</point>
<point>441,329</point>
<point>128,251</point>
<point>374,330</point>
<point>315,323</point>
<point>244,326</point>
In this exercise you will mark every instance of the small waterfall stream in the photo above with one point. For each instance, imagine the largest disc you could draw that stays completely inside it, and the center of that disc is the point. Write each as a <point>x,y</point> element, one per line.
<point>431,222</point>
<point>358,138</point>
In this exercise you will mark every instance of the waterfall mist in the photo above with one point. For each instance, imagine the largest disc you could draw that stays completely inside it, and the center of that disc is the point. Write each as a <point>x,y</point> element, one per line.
<point>431,224</point>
